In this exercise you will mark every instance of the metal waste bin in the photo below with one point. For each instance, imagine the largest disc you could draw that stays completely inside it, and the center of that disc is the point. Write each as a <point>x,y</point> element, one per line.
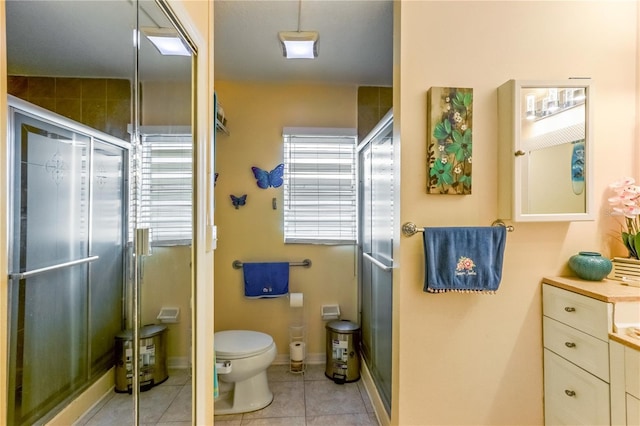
<point>153,358</point>
<point>343,361</point>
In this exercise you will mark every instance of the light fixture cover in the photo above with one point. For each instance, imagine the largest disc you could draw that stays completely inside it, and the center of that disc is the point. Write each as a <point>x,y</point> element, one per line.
<point>166,40</point>
<point>299,44</point>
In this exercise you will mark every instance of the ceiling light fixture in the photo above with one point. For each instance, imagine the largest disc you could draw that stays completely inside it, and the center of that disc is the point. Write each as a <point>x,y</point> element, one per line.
<point>166,40</point>
<point>299,44</point>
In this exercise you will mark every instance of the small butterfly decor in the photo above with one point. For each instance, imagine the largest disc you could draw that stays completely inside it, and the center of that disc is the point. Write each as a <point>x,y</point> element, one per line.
<point>238,201</point>
<point>266,179</point>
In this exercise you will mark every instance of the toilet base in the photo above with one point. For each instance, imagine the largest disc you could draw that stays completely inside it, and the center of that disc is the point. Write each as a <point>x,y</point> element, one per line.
<point>243,397</point>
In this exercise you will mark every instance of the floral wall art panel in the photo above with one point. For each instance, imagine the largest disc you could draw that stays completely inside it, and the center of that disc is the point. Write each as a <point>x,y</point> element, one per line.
<point>449,140</point>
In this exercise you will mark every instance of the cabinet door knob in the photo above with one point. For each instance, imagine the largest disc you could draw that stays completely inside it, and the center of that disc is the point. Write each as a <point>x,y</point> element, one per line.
<point>519,153</point>
<point>570,309</point>
<point>570,344</point>
<point>570,392</point>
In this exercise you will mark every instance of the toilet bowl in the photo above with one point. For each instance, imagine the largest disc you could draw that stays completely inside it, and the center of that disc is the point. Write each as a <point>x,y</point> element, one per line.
<point>243,385</point>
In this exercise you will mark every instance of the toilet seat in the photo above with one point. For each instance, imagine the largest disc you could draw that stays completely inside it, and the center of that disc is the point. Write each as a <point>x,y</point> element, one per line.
<point>234,344</point>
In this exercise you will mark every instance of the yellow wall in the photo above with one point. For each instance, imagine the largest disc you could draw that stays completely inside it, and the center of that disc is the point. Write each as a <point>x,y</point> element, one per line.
<point>256,114</point>
<point>469,359</point>
<point>166,279</point>
<point>166,103</point>
<point>166,282</point>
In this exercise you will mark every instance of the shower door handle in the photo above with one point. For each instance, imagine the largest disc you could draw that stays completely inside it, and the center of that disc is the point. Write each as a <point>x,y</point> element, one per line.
<point>377,262</point>
<point>34,272</point>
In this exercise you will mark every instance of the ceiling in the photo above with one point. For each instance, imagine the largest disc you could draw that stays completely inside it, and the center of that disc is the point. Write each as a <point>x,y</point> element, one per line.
<point>92,38</point>
<point>355,47</point>
<point>86,38</point>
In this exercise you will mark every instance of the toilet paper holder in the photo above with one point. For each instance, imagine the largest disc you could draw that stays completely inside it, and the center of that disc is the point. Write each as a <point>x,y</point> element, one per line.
<point>168,314</point>
<point>330,312</point>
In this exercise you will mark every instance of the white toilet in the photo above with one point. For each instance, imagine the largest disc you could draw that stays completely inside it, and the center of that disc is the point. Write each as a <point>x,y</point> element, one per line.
<point>244,357</point>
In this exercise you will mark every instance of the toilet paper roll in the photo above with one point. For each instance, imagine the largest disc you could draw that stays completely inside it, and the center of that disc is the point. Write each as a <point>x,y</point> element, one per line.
<point>295,300</point>
<point>296,351</point>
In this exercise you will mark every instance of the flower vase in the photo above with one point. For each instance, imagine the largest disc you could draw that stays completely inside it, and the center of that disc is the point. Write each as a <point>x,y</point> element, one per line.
<point>625,269</point>
<point>590,266</point>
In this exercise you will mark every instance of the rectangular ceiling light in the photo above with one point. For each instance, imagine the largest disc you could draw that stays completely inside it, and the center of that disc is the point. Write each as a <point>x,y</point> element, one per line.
<point>299,44</point>
<point>167,41</point>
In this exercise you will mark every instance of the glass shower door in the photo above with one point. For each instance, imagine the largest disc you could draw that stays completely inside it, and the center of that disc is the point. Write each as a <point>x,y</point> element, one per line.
<point>49,262</point>
<point>66,262</point>
<point>376,253</point>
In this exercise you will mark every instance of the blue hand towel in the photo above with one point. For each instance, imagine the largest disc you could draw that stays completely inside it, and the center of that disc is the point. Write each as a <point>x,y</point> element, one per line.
<point>216,388</point>
<point>266,279</point>
<point>463,259</point>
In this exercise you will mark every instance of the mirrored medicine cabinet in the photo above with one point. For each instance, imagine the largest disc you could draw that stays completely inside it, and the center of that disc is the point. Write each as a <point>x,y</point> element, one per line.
<point>545,146</point>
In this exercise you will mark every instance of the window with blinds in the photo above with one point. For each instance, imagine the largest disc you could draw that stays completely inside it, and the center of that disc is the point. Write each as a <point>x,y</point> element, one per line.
<point>319,185</point>
<point>162,199</point>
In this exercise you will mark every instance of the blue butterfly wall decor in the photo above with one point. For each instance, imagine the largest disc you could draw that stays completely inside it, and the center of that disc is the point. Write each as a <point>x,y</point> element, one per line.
<point>265,179</point>
<point>238,201</point>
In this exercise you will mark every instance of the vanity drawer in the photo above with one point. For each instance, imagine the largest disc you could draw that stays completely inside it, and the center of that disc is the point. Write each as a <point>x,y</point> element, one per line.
<point>580,348</point>
<point>584,313</point>
<point>572,396</point>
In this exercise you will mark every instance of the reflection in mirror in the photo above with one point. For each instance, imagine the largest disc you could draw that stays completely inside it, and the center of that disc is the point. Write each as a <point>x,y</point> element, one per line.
<point>77,84</point>
<point>544,151</point>
<point>164,206</point>
<point>553,138</point>
<point>73,62</point>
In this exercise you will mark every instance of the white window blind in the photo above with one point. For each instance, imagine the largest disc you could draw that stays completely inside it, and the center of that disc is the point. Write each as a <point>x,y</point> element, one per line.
<point>163,197</point>
<point>319,185</point>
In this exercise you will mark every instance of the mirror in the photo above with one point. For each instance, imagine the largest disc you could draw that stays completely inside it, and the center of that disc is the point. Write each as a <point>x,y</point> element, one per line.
<point>545,147</point>
<point>74,65</point>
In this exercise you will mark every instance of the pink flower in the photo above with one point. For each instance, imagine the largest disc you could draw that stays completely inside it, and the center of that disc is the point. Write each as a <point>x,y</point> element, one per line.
<point>626,202</point>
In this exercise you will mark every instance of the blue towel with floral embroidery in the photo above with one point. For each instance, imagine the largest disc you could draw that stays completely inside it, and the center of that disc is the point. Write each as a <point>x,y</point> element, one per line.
<point>263,280</point>
<point>463,259</point>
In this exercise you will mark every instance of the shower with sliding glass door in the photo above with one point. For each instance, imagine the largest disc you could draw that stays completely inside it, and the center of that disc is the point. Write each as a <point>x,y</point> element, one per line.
<point>375,249</point>
<point>100,145</point>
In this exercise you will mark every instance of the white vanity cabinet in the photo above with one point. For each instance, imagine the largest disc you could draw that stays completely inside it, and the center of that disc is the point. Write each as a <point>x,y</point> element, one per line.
<point>576,358</point>
<point>578,318</point>
<point>625,380</point>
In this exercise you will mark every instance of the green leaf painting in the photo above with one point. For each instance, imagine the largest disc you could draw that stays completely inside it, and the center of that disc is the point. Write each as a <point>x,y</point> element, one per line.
<point>449,140</point>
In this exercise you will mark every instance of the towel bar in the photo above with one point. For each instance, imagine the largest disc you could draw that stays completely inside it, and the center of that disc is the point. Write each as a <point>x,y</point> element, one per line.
<point>306,262</point>
<point>410,228</point>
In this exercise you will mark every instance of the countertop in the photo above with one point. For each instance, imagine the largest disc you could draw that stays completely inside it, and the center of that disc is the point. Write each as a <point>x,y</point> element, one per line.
<point>606,290</point>
<point>626,340</point>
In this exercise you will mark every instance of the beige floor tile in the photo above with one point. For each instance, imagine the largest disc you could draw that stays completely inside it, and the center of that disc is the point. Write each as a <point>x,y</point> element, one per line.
<point>275,421</point>
<point>180,408</point>
<point>326,398</point>
<point>299,400</point>
<point>228,419</point>
<point>315,372</point>
<point>362,419</point>
<point>288,401</point>
<point>178,377</point>
<point>281,373</point>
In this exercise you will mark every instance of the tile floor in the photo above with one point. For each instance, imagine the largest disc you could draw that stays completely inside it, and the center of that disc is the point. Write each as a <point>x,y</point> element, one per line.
<point>168,404</point>
<point>305,400</point>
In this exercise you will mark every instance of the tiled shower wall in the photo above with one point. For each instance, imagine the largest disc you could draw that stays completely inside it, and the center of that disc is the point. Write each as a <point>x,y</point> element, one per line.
<point>373,103</point>
<point>101,103</point>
